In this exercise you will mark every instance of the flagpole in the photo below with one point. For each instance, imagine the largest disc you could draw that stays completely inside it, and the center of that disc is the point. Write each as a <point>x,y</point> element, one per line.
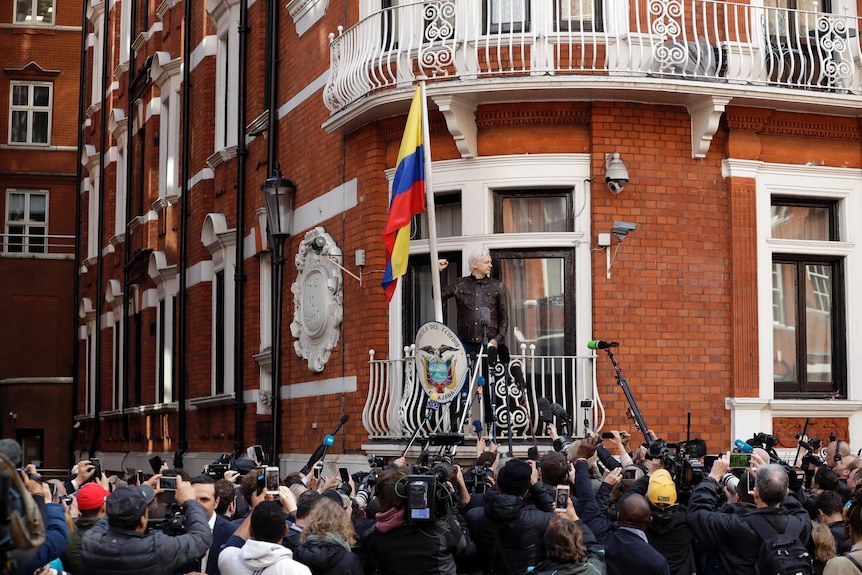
<point>432,217</point>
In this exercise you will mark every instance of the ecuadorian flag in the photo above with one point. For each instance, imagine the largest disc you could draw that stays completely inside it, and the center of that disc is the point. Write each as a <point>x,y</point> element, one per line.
<point>408,197</point>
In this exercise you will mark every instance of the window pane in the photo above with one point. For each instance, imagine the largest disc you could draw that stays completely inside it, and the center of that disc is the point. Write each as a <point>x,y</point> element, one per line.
<point>40,128</point>
<point>38,203</point>
<point>19,126</point>
<point>15,239</point>
<point>536,303</point>
<point>46,11</point>
<point>801,223</point>
<point>818,319</point>
<point>533,214</point>
<point>20,95</point>
<point>506,16</point>
<point>15,209</point>
<point>23,10</point>
<point>41,96</point>
<point>784,321</point>
<point>448,215</point>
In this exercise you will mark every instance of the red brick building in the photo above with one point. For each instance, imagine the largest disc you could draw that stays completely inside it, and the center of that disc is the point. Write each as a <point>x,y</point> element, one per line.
<point>731,297</point>
<point>40,43</point>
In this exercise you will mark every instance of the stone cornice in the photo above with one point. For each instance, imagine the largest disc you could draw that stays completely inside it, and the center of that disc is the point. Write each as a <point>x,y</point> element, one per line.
<point>519,116</point>
<point>772,123</point>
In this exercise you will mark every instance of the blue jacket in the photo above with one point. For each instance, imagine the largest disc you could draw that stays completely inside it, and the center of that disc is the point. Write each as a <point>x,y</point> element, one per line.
<point>56,538</point>
<point>626,553</point>
<point>222,531</point>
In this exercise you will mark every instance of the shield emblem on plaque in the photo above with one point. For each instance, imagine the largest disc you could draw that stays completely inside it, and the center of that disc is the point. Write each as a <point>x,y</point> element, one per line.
<point>441,362</point>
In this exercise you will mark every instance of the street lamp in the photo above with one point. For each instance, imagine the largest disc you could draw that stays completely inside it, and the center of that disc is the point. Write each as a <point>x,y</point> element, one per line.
<point>278,194</point>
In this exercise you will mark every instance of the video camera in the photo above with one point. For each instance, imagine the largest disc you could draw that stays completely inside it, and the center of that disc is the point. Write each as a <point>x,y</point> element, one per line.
<point>476,478</point>
<point>366,489</point>
<point>217,469</point>
<point>682,461</point>
<point>173,523</point>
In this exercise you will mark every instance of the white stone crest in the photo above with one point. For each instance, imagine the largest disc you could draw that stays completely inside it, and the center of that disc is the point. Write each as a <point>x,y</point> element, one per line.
<point>317,299</point>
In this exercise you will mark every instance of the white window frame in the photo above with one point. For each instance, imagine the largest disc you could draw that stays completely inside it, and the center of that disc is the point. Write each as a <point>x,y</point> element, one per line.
<point>30,109</point>
<point>165,278</point>
<point>86,334</point>
<point>221,244</point>
<point>478,179</point>
<point>34,4</point>
<point>26,247</point>
<point>754,414</point>
<point>114,298</point>
<point>166,74</point>
<point>125,31</point>
<point>93,206</point>
<point>96,13</point>
<point>119,129</point>
<point>225,14</point>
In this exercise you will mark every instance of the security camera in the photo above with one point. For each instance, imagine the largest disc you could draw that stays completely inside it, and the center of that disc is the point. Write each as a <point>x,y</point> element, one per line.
<point>616,186</point>
<point>616,174</point>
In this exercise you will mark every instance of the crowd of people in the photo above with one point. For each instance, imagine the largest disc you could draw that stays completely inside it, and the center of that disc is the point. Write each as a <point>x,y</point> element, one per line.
<point>591,505</point>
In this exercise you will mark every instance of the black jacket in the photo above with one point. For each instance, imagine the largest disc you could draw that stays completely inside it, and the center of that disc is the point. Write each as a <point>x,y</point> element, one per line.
<point>669,532</point>
<point>471,294</point>
<point>412,549</point>
<point>328,559</point>
<point>729,537</point>
<point>520,529</point>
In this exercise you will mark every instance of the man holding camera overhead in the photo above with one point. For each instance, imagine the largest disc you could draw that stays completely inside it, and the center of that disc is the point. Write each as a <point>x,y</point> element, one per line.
<point>120,543</point>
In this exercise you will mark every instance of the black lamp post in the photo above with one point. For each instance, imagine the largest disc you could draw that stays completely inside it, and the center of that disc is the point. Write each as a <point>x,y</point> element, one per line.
<point>278,193</point>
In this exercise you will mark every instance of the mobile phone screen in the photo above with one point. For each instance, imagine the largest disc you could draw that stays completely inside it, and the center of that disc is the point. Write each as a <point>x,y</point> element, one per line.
<point>739,460</point>
<point>272,479</point>
<point>345,476</point>
<point>562,497</point>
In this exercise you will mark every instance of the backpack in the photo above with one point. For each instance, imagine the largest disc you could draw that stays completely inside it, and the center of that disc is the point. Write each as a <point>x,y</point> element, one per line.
<point>781,553</point>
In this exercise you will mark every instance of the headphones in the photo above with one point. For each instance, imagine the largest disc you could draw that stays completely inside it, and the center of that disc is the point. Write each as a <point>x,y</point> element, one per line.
<point>838,451</point>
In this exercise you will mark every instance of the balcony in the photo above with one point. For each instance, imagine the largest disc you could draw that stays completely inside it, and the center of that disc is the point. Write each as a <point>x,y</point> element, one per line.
<point>396,405</point>
<point>37,246</point>
<point>701,54</point>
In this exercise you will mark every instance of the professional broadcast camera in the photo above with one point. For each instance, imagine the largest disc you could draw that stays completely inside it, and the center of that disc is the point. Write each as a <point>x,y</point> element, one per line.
<point>682,461</point>
<point>427,498</point>
<point>173,523</point>
<point>476,478</point>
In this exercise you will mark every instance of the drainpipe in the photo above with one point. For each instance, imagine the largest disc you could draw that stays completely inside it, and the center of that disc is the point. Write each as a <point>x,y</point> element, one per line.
<point>103,142</point>
<point>79,176</point>
<point>239,273</point>
<point>185,166</point>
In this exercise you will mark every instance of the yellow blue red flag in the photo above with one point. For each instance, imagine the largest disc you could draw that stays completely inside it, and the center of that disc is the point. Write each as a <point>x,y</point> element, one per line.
<point>408,197</point>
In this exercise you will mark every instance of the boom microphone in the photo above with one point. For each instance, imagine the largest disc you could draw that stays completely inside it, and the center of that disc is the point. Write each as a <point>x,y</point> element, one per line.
<point>599,344</point>
<point>328,440</point>
<point>560,412</point>
<point>545,413</point>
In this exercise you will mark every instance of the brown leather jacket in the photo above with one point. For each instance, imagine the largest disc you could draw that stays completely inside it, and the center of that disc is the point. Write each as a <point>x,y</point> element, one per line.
<point>470,294</point>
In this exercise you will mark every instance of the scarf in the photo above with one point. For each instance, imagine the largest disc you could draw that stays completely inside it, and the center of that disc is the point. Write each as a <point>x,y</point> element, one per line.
<point>333,538</point>
<point>389,520</point>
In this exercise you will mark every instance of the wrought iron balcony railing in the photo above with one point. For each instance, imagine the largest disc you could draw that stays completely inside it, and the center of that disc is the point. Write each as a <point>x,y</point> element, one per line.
<point>396,404</point>
<point>681,40</point>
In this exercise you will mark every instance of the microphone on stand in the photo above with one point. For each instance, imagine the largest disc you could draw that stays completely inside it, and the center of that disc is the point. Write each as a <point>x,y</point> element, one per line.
<point>545,412</point>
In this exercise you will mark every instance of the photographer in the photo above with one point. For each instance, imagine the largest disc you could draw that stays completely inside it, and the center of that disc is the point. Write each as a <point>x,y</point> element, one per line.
<point>120,544</point>
<point>668,531</point>
<point>508,532</point>
<point>731,538</point>
<point>395,546</point>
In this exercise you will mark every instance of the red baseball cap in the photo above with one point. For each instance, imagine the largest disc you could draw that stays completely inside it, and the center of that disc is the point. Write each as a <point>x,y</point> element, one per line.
<point>91,496</point>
